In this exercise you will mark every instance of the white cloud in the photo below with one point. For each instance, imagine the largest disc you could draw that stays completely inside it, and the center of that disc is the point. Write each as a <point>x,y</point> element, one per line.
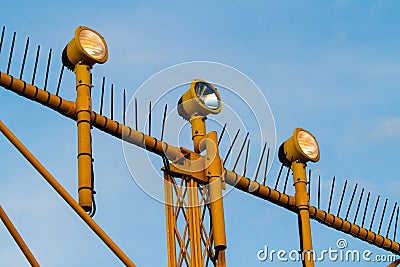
<point>386,128</point>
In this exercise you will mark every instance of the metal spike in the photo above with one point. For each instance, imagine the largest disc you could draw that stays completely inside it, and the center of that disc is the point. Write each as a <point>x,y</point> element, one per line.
<point>36,64</point>
<point>246,159</point>
<point>331,195</point>
<point>261,158</point>
<point>366,208</point>
<point>222,134</point>
<point>24,59</point>
<point>341,198</point>
<point>47,71</point>
<point>279,176</point>
<point>136,115</point>
<point>358,206</point>
<point>351,202</point>
<point>150,118</point>
<point>103,84</point>
<point>241,150</point>
<point>266,167</point>
<point>2,37</point>
<point>163,121</point>
<point>319,191</point>
<point>59,80</point>
<point>11,53</point>
<point>124,107</point>
<point>112,101</point>
<point>286,180</point>
<point>231,146</point>
<point>391,219</point>
<point>373,214</point>
<point>383,215</point>
<point>395,225</point>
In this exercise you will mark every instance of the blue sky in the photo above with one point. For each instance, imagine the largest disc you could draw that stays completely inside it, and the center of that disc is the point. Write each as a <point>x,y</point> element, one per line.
<point>331,67</point>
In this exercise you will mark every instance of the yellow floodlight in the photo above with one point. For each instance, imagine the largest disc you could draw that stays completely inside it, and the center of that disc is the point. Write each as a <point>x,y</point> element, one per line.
<point>201,99</point>
<point>302,146</point>
<point>87,47</point>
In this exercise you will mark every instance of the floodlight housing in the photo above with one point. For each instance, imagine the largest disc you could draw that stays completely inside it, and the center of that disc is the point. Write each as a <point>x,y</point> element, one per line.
<point>201,99</point>
<point>87,47</point>
<point>301,146</point>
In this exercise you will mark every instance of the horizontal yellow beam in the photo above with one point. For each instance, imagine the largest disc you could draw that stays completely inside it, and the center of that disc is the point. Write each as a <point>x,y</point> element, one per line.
<point>116,129</point>
<point>330,220</point>
<point>67,108</point>
<point>259,190</point>
<point>354,230</point>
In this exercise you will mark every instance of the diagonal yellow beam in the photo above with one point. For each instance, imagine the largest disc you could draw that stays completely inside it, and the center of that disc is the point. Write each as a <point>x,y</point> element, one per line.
<point>18,238</point>
<point>395,263</point>
<point>65,195</point>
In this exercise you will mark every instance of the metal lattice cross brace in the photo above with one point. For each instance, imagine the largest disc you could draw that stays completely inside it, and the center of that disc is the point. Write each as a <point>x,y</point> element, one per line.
<point>189,235</point>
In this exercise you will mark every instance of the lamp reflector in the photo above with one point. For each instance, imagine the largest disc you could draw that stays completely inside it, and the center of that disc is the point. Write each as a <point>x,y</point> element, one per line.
<point>301,146</point>
<point>92,44</point>
<point>308,144</point>
<point>207,95</point>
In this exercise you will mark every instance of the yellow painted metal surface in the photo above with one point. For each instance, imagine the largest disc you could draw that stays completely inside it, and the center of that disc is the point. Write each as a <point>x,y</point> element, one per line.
<point>76,53</point>
<point>18,239</point>
<point>198,131</point>
<point>83,118</point>
<point>67,108</point>
<point>302,204</point>
<point>330,220</point>
<point>193,106</point>
<point>193,210</point>
<point>395,263</point>
<point>170,220</point>
<point>214,173</point>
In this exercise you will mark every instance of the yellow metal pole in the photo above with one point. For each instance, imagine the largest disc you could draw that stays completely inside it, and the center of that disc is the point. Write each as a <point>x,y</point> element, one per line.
<point>170,220</point>
<point>18,239</point>
<point>65,195</point>
<point>194,223</point>
<point>302,203</point>
<point>221,261</point>
<point>83,113</point>
<point>214,173</point>
<point>198,132</point>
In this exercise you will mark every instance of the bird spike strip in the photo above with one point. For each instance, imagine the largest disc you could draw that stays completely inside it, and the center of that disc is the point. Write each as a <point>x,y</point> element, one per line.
<point>10,62</point>
<point>67,108</point>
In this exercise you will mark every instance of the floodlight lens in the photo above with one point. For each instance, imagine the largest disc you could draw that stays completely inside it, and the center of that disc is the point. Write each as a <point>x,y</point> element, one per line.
<point>308,144</point>
<point>92,44</point>
<point>207,95</point>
